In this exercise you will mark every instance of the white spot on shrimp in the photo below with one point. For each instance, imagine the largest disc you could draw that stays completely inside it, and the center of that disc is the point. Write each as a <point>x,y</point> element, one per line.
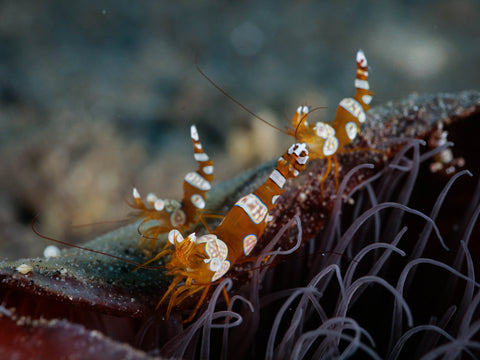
<point>354,108</point>
<point>330,147</point>
<point>298,149</point>
<point>194,133</point>
<point>249,243</point>
<point>351,129</point>
<point>197,201</point>
<point>215,264</point>
<point>362,84</point>
<point>208,169</point>
<point>215,248</point>
<point>223,269</point>
<point>324,130</point>
<point>253,207</point>
<point>201,157</point>
<point>367,99</point>
<point>197,181</point>
<point>361,58</point>
<point>277,177</point>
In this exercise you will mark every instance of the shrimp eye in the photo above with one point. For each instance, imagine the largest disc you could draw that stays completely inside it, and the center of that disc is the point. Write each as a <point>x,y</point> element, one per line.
<point>151,198</point>
<point>175,235</point>
<point>159,204</point>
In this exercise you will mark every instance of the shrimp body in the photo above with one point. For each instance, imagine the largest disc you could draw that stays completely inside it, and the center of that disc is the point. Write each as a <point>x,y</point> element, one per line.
<point>201,260</point>
<point>325,140</point>
<point>172,214</point>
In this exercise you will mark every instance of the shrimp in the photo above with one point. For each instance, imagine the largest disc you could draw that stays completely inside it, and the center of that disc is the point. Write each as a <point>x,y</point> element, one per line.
<point>172,214</point>
<point>201,261</point>
<point>326,140</point>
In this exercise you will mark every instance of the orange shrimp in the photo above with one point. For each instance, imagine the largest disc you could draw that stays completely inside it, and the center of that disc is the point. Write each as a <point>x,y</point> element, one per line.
<point>200,261</point>
<point>325,140</point>
<point>172,214</point>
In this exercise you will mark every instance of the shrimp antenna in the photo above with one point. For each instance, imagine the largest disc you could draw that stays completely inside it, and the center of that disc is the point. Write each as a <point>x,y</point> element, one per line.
<point>234,100</point>
<point>305,116</point>
<point>91,250</point>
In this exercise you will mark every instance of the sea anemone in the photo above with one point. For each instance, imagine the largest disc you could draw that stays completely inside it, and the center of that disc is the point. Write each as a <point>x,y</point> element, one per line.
<point>382,268</point>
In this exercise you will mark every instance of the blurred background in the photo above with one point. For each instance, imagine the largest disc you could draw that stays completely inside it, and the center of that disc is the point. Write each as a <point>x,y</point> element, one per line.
<point>96,96</point>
